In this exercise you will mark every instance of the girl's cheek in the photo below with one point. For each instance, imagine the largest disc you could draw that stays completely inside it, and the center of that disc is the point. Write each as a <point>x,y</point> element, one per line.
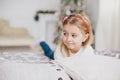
<point>63,39</point>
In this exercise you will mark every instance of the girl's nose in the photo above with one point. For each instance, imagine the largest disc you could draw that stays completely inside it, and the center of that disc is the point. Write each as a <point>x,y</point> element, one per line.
<point>69,38</point>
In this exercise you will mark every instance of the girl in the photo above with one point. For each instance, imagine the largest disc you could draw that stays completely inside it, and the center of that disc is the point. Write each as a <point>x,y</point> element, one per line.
<point>76,36</point>
<point>76,39</point>
<point>75,55</point>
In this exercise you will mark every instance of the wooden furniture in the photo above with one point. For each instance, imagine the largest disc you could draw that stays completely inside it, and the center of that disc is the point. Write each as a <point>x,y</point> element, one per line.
<point>12,36</point>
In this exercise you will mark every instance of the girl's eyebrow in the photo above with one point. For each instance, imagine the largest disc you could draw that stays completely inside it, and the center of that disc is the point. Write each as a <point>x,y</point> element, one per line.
<point>72,33</point>
<point>64,31</point>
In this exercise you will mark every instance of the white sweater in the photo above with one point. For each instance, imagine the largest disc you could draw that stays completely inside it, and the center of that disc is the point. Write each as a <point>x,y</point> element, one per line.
<point>85,65</point>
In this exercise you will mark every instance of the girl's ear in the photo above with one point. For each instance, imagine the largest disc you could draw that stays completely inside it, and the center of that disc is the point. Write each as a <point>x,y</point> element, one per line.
<point>85,37</point>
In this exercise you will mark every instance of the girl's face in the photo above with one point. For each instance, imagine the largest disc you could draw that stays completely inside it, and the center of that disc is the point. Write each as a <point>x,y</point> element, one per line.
<point>73,37</point>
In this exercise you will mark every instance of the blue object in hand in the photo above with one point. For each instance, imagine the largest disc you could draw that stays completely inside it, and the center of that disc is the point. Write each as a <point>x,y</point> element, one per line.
<point>47,50</point>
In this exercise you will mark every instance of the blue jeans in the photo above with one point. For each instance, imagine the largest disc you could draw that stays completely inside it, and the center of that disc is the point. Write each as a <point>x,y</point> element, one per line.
<point>47,50</point>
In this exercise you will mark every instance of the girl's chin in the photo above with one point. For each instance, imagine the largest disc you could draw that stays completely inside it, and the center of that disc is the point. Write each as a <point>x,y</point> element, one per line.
<point>69,47</point>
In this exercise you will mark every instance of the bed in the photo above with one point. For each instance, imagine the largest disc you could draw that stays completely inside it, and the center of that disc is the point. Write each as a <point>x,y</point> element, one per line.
<point>23,64</point>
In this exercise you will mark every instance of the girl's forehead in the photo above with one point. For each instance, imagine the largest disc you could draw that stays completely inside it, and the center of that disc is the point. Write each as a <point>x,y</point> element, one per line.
<point>71,28</point>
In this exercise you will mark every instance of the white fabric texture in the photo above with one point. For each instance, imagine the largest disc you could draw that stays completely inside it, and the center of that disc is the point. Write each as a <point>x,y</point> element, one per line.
<point>88,66</point>
<point>29,66</point>
<point>107,34</point>
<point>30,71</point>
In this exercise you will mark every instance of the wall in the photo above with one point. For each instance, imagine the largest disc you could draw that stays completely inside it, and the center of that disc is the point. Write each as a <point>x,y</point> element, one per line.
<point>92,9</point>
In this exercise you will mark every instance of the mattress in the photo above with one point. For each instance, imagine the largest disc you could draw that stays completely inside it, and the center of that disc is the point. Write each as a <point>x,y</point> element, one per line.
<point>22,64</point>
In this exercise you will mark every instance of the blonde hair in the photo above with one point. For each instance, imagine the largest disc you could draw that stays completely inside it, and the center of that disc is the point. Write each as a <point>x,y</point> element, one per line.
<point>83,23</point>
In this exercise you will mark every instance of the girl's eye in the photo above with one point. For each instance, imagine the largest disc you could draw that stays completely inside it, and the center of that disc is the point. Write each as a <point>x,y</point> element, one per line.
<point>64,34</point>
<point>74,35</point>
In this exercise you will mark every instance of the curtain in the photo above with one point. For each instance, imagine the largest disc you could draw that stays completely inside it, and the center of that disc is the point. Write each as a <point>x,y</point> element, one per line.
<point>107,33</point>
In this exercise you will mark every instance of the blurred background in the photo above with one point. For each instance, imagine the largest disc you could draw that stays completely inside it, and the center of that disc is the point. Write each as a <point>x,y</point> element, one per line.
<point>27,22</point>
